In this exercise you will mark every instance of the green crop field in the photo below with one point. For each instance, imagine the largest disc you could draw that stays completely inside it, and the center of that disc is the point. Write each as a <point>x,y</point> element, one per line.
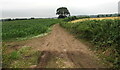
<point>104,34</point>
<point>26,28</point>
<point>20,29</point>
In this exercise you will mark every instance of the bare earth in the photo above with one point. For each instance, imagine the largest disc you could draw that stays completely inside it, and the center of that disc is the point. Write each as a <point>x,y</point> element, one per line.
<point>61,50</point>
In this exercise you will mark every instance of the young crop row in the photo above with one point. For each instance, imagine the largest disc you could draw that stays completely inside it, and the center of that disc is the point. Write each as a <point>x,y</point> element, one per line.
<point>26,28</point>
<point>104,34</point>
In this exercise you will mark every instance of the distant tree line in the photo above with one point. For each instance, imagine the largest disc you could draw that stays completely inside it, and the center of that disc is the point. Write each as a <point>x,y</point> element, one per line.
<point>69,18</point>
<point>11,19</point>
<point>108,15</point>
<point>75,17</point>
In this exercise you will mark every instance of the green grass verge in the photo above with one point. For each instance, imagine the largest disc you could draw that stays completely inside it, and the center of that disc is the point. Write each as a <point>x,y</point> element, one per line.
<point>21,58</point>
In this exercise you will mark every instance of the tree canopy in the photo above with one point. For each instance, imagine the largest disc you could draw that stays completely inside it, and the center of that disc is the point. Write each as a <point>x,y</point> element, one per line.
<point>62,12</point>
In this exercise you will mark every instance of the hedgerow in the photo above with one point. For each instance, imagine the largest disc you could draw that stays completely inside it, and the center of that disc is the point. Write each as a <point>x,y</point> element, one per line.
<point>103,34</point>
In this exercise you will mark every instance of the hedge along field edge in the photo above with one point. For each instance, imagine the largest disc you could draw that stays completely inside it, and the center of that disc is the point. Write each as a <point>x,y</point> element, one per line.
<point>104,34</point>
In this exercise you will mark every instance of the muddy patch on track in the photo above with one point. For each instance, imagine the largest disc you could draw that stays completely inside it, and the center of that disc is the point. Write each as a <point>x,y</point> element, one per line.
<point>68,59</point>
<point>50,59</point>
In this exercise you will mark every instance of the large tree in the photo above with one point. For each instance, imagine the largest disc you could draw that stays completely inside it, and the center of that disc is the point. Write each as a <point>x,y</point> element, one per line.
<point>62,12</point>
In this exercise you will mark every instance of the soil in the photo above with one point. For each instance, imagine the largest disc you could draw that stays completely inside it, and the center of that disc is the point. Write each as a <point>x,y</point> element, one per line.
<point>60,49</point>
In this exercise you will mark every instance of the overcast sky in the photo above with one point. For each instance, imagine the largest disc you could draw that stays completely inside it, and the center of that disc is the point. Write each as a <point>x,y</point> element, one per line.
<point>47,8</point>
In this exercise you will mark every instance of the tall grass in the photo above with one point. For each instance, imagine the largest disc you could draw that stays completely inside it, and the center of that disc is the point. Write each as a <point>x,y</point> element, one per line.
<point>103,34</point>
<point>25,28</point>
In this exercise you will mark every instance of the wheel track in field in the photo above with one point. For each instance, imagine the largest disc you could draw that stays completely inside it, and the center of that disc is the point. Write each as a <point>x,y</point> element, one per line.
<point>61,50</point>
